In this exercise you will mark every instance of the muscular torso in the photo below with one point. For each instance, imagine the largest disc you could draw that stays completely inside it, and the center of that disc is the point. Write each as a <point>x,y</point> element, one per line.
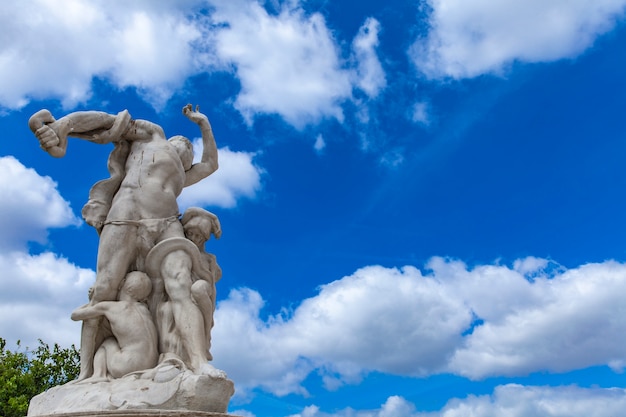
<point>154,178</point>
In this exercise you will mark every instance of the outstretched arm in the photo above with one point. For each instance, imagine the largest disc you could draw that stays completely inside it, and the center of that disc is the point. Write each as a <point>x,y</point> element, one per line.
<point>90,311</point>
<point>208,163</point>
<point>94,126</point>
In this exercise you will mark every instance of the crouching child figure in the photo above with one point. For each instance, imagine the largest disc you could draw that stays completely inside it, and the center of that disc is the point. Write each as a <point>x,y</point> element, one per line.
<point>133,346</point>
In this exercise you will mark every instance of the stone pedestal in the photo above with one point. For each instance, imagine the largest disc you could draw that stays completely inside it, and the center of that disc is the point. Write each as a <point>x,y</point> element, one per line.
<point>142,413</point>
<point>174,394</point>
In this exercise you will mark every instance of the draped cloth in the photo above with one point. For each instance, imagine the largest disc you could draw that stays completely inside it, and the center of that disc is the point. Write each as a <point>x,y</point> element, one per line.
<point>101,194</point>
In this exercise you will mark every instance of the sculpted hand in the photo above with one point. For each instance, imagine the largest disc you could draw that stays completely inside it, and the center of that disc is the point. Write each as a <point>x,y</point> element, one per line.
<point>52,134</point>
<point>194,116</point>
<point>47,137</point>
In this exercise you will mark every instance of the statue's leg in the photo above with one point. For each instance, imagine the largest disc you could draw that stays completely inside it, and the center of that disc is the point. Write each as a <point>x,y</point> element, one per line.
<point>176,271</point>
<point>201,294</point>
<point>87,346</point>
<point>116,361</point>
<point>100,369</point>
<point>116,252</point>
<point>190,326</point>
<point>169,341</point>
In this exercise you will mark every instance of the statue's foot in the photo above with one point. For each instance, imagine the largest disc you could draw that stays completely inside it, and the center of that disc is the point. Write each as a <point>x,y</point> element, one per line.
<point>210,370</point>
<point>81,377</point>
<point>169,366</point>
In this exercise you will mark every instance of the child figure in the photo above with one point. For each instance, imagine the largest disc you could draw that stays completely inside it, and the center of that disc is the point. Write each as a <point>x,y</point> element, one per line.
<point>133,346</point>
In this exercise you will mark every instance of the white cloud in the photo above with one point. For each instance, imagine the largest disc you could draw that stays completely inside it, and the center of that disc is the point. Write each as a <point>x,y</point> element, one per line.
<point>486,321</point>
<point>237,177</point>
<point>62,45</point>
<point>288,64</point>
<point>319,144</point>
<point>242,413</point>
<point>377,319</point>
<point>370,73</point>
<point>559,324</point>
<point>394,407</point>
<point>155,53</point>
<point>267,362</point>
<point>421,113</point>
<point>37,292</point>
<point>506,400</point>
<point>393,158</point>
<point>474,37</point>
<point>520,401</point>
<point>37,295</point>
<point>30,205</point>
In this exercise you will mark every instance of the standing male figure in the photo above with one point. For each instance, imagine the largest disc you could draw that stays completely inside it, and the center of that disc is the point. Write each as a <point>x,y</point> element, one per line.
<point>136,208</point>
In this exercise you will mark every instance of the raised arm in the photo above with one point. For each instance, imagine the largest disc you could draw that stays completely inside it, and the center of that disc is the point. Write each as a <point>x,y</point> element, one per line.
<point>208,164</point>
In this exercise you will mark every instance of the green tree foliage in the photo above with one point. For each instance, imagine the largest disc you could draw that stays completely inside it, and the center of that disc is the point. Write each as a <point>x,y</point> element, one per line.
<point>24,374</point>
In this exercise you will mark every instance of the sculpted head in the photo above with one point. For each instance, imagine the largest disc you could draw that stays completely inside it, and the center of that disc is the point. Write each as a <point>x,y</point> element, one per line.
<point>137,285</point>
<point>200,224</point>
<point>184,148</point>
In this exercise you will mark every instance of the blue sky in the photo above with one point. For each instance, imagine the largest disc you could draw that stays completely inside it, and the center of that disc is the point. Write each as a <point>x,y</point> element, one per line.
<point>421,201</point>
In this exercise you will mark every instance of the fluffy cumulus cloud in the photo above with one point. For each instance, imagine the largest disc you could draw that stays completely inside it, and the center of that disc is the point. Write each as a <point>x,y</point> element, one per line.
<point>30,205</point>
<point>62,45</point>
<point>390,320</point>
<point>473,37</point>
<point>35,289</point>
<point>558,324</point>
<point>489,320</point>
<point>37,295</point>
<point>394,407</point>
<point>506,400</point>
<point>237,177</point>
<point>287,64</point>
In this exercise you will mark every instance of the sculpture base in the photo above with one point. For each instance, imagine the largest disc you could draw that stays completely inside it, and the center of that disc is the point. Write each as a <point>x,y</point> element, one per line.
<point>142,413</point>
<point>175,394</point>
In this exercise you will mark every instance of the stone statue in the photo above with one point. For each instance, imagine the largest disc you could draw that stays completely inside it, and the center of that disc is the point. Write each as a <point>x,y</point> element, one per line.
<point>136,215</point>
<point>141,210</point>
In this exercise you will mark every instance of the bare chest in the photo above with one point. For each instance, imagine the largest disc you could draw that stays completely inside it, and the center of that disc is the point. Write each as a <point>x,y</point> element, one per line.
<point>154,162</point>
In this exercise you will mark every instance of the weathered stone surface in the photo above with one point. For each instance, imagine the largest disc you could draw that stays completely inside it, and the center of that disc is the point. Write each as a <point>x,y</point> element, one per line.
<point>143,413</point>
<point>185,391</point>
